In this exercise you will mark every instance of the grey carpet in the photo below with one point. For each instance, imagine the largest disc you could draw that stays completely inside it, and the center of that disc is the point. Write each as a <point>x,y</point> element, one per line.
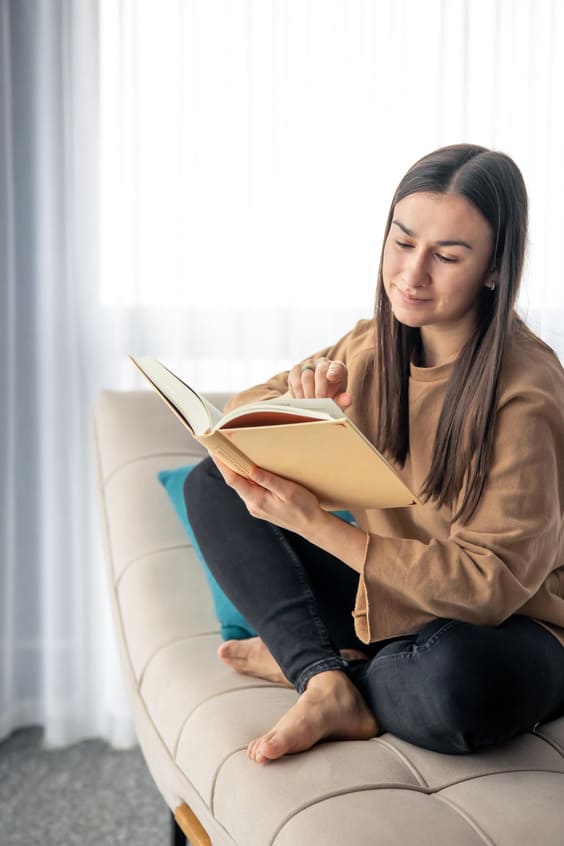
<point>87,794</point>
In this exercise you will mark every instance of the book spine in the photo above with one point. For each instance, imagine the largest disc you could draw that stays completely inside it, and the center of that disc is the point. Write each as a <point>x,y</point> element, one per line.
<point>232,456</point>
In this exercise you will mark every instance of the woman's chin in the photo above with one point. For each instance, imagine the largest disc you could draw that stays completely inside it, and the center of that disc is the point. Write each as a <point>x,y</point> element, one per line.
<point>408,319</point>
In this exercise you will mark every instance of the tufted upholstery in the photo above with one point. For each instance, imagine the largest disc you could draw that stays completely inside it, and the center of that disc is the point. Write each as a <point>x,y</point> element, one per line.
<point>194,716</point>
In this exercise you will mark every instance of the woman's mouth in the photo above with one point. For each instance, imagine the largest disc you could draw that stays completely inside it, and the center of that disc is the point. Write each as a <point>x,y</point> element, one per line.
<point>411,300</point>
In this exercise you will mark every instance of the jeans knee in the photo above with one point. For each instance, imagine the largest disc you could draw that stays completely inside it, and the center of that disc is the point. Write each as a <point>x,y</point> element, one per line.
<point>458,718</point>
<point>469,706</point>
<point>440,696</point>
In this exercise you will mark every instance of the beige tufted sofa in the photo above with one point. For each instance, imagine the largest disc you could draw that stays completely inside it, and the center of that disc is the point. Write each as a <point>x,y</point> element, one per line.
<point>194,717</point>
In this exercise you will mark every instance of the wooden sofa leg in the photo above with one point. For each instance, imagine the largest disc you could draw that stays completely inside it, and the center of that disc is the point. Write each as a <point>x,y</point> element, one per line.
<point>177,836</point>
<point>191,827</point>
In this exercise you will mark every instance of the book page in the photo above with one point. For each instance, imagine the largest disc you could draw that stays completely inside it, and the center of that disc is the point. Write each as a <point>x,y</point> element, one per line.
<point>282,410</point>
<point>323,407</point>
<point>266,417</point>
<point>199,413</point>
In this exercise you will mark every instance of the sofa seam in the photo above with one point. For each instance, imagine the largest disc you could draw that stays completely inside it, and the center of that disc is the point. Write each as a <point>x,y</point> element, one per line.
<point>143,555</point>
<point>405,760</point>
<point>431,792</point>
<point>147,457</point>
<point>166,646</point>
<point>216,776</point>
<point>554,744</point>
<point>467,818</point>
<point>449,784</point>
<point>362,788</point>
<point>217,695</point>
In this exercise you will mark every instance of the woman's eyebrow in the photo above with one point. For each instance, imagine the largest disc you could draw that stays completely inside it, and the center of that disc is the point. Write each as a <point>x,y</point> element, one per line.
<point>438,243</point>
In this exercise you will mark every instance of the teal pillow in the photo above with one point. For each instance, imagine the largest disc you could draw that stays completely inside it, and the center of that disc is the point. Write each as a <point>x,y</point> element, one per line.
<point>233,625</point>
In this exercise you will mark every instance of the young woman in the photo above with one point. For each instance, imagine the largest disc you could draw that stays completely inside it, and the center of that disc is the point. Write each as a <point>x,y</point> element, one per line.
<point>456,640</point>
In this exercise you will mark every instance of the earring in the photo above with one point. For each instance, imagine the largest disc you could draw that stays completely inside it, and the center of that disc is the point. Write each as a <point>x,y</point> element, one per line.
<point>492,286</point>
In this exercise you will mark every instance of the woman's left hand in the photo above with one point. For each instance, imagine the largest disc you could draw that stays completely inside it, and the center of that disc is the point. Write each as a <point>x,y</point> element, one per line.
<point>273,498</point>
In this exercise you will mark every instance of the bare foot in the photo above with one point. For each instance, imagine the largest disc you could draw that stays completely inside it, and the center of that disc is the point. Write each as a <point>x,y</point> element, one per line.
<point>252,657</point>
<point>330,707</point>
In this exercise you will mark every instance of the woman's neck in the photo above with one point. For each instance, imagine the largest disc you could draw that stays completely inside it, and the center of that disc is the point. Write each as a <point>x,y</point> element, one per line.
<point>440,347</point>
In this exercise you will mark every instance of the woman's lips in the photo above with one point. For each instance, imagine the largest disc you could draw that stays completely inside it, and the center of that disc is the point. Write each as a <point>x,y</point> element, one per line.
<point>411,300</point>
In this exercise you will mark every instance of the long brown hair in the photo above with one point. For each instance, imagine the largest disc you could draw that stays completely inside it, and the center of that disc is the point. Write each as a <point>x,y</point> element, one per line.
<point>493,183</point>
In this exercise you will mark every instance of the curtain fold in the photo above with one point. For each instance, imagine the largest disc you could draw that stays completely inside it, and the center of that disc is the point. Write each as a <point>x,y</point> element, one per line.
<point>208,182</point>
<point>58,664</point>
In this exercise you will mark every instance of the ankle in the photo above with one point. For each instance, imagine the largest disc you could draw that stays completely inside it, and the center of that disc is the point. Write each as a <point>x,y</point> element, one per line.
<point>329,680</point>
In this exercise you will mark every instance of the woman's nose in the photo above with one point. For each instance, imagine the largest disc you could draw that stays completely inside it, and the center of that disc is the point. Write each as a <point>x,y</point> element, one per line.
<point>416,272</point>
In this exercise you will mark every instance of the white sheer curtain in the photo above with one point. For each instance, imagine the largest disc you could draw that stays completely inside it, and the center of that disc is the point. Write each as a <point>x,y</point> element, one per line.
<point>240,158</point>
<point>250,150</point>
<point>57,663</point>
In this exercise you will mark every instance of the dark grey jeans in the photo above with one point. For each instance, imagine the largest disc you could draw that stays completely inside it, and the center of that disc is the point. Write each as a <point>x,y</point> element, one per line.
<point>451,686</point>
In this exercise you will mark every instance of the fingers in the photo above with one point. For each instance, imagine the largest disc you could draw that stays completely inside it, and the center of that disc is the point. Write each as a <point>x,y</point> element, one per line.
<point>273,483</point>
<point>244,487</point>
<point>322,378</point>
<point>337,377</point>
<point>228,474</point>
<point>331,379</point>
<point>257,478</point>
<point>295,387</point>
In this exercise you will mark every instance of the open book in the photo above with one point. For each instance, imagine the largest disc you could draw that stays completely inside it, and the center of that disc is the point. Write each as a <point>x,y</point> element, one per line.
<point>310,441</point>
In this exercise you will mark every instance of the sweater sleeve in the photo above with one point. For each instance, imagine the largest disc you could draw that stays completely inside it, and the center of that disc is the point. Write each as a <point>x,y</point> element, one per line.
<point>487,569</point>
<point>277,385</point>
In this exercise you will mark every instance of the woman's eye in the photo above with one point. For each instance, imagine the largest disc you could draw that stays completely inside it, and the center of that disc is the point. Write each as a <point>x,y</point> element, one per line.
<point>405,245</point>
<point>446,259</point>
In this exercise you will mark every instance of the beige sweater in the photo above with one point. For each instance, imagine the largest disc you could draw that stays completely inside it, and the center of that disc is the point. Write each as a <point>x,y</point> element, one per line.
<point>509,559</point>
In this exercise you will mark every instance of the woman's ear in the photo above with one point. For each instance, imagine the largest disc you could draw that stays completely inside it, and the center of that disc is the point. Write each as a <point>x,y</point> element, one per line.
<point>492,280</point>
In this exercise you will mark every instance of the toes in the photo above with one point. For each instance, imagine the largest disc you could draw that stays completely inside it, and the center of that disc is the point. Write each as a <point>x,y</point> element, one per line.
<point>271,747</point>
<point>265,748</point>
<point>258,755</point>
<point>251,750</point>
<point>227,649</point>
<point>233,662</point>
<point>235,653</point>
<point>236,647</point>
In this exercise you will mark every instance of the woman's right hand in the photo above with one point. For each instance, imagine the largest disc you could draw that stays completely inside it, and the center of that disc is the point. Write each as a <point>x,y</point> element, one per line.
<point>322,378</point>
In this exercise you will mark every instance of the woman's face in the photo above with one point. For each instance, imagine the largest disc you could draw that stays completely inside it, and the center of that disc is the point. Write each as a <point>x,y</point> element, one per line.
<point>436,261</point>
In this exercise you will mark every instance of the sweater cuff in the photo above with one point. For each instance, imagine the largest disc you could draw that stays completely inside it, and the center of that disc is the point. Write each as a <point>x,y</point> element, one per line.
<point>361,611</point>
